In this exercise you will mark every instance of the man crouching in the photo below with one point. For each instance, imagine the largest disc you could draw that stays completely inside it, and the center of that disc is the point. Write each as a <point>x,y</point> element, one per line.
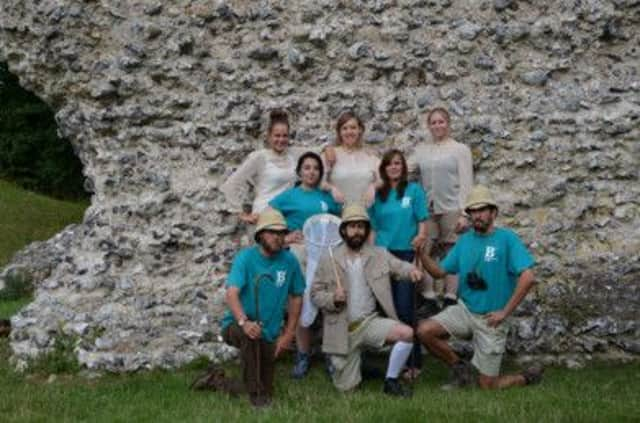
<point>348,285</point>
<point>262,279</point>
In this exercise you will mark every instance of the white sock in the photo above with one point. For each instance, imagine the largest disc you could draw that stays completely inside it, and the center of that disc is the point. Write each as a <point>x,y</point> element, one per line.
<point>398,357</point>
<point>429,295</point>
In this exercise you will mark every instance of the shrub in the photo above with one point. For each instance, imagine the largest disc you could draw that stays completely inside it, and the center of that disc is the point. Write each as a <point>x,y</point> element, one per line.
<point>31,153</point>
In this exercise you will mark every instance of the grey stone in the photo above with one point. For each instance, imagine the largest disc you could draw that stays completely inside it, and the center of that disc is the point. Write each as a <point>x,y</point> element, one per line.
<point>161,103</point>
<point>535,77</point>
<point>501,5</point>
<point>263,53</point>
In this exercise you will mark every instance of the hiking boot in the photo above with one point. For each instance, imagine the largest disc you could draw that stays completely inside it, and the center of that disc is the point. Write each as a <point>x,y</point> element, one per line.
<point>448,302</point>
<point>394,388</point>
<point>301,366</point>
<point>259,401</point>
<point>328,365</point>
<point>461,375</point>
<point>533,375</point>
<point>214,379</point>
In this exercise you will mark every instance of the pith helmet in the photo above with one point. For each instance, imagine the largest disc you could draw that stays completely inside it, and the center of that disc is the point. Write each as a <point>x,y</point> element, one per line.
<point>354,213</point>
<point>270,220</point>
<point>479,197</point>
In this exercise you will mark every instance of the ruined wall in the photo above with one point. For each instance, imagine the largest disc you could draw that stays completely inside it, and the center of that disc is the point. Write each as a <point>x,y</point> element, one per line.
<point>162,99</point>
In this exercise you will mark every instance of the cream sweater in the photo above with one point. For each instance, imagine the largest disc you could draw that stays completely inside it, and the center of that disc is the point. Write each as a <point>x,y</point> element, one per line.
<point>268,172</point>
<point>446,172</point>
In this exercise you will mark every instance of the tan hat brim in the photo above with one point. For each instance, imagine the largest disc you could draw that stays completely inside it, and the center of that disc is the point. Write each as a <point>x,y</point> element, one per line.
<point>274,227</point>
<point>478,206</point>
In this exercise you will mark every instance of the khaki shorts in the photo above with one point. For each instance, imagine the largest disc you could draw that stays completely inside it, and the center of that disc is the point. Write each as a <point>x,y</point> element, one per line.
<point>371,333</point>
<point>442,229</point>
<point>488,343</point>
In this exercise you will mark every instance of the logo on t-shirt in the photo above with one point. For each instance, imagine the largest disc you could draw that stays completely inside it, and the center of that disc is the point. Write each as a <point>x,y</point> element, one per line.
<point>490,254</point>
<point>324,206</point>
<point>406,202</point>
<point>281,277</point>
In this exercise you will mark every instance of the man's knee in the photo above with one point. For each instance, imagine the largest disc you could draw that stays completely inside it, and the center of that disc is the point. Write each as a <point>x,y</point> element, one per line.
<point>487,382</point>
<point>429,330</point>
<point>400,332</point>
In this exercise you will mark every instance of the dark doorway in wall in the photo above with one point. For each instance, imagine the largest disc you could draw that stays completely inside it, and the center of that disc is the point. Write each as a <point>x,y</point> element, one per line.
<point>31,153</point>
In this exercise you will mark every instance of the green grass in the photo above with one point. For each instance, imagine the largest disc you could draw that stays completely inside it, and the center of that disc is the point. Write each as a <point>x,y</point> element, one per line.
<point>10,307</point>
<point>599,393</point>
<point>26,217</point>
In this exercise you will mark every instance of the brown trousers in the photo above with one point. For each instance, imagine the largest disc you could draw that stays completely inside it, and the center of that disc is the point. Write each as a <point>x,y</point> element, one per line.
<point>234,335</point>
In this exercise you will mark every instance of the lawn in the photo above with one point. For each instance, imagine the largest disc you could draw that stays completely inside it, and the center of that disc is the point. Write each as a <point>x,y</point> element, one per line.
<point>26,217</point>
<point>600,392</point>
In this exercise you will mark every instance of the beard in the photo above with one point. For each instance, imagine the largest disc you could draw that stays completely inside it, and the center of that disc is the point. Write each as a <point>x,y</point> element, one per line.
<point>482,226</point>
<point>271,249</point>
<point>355,242</point>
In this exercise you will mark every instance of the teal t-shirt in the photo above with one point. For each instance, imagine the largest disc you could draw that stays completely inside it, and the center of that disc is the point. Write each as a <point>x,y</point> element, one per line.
<point>498,258</point>
<point>284,278</point>
<point>396,219</point>
<point>297,205</point>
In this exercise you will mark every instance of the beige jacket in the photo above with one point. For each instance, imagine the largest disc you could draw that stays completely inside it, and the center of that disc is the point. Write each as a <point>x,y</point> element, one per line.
<point>379,267</point>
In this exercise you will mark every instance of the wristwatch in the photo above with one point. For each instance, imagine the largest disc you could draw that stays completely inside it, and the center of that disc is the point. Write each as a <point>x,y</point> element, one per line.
<point>242,321</point>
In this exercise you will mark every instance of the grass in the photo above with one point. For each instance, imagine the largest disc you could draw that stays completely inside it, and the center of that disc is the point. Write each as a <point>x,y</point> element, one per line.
<point>10,307</point>
<point>26,217</point>
<point>601,392</point>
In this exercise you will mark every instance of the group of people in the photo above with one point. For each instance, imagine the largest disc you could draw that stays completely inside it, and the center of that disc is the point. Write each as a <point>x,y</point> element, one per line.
<point>398,215</point>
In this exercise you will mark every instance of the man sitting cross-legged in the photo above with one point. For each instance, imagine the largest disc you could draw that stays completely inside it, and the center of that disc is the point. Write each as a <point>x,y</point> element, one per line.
<point>347,288</point>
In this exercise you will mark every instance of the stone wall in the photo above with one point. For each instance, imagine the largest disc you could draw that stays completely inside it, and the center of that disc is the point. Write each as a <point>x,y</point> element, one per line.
<point>162,99</point>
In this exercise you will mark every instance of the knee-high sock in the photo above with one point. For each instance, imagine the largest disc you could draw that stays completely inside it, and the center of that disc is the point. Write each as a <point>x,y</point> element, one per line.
<point>398,357</point>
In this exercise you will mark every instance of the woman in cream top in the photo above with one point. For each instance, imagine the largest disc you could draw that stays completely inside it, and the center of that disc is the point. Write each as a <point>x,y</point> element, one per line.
<point>446,173</point>
<point>354,169</point>
<point>269,171</point>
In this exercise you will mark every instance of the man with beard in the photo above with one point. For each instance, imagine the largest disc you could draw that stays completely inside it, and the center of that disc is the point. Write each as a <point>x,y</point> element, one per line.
<point>261,281</point>
<point>494,269</point>
<point>348,287</point>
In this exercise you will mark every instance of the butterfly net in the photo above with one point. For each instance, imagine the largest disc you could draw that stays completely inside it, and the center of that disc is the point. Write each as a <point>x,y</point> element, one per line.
<point>321,232</point>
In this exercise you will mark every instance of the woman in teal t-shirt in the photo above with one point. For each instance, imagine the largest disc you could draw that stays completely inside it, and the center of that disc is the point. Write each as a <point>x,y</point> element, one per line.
<point>398,219</point>
<point>297,204</point>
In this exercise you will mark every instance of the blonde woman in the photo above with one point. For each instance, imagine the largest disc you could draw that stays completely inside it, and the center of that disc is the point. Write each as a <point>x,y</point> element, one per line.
<point>353,169</point>
<point>446,173</point>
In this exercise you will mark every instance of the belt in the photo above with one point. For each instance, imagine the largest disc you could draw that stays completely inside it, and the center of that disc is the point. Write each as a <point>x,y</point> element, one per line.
<point>353,326</point>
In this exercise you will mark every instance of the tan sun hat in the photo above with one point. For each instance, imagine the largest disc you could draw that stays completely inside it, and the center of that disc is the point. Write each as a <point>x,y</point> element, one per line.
<point>354,212</point>
<point>270,220</point>
<point>479,197</point>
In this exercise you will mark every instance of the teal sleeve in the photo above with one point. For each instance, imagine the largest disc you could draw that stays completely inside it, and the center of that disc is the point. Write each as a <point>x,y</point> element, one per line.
<point>420,204</point>
<point>335,208</point>
<point>371,211</point>
<point>279,201</point>
<point>238,275</point>
<point>450,263</point>
<point>519,257</point>
<point>297,286</point>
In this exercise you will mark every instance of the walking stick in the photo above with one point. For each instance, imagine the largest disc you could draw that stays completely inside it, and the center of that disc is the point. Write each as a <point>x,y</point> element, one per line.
<point>416,262</point>
<point>256,294</point>
<point>335,269</point>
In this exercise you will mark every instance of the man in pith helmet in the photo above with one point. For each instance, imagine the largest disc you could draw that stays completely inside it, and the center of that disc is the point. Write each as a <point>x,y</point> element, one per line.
<point>494,269</point>
<point>263,280</point>
<point>349,287</point>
